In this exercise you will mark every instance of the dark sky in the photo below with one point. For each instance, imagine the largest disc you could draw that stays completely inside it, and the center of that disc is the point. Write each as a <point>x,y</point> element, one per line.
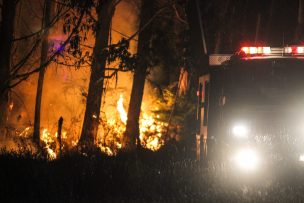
<point>236,21</point>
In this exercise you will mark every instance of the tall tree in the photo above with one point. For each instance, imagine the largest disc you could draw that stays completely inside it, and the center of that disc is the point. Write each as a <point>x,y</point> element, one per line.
<point>105,11</point>
<point>299,36</point>
<point>222,16</point>
<point>44,55</point>
<point>8,11</point>
<point>132,129</point>
<point>197,58</point>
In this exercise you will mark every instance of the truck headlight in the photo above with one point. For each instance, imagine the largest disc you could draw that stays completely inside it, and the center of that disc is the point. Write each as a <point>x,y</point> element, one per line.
<point>301,157</point>
<point>240,130</point>
<point>246,159</point>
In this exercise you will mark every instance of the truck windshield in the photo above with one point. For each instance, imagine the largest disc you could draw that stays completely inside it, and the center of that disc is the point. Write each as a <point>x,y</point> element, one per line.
<point>263,82</point>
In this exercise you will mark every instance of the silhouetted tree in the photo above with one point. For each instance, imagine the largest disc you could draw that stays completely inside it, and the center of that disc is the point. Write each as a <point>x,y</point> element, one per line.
<point>299,36</point>
<point>132,129</point>
<point>105,11</point>
<point>44,54</point>
<point>8,12</point>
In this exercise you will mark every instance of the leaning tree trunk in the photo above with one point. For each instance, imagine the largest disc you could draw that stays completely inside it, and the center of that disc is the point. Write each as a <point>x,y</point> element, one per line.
<point>44,54</point>
<point>132,129</point>
<point>6,38</point>
<point>91,118</point>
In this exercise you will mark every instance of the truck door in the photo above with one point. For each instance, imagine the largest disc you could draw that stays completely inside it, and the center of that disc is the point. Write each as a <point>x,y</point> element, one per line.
<point>202,116</point>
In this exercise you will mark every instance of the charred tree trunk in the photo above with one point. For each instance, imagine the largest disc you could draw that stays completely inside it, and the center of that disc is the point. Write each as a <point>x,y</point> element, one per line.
<point>105,12</point>
<point>6,38</point>
<point>44,54</point>
<point>132,129</point>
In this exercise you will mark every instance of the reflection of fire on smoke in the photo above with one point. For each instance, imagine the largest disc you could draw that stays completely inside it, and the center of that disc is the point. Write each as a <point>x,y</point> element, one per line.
<point>151,131</point>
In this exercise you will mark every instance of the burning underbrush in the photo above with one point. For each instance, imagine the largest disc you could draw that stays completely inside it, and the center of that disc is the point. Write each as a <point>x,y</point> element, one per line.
<point>109,140</point>
<point>21,141</point>
<point>152,130</point>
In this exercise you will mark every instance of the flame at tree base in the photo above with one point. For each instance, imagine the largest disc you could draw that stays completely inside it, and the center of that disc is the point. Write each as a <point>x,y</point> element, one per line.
<point>151,131</point>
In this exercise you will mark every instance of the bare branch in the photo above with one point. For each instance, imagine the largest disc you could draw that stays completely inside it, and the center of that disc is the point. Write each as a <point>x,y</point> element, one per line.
<point>146,25</point>
<point>23,76</point>
<point>122,34</point>
<point>53,21</point>
<point>178,16</point>
<point>20,64</point>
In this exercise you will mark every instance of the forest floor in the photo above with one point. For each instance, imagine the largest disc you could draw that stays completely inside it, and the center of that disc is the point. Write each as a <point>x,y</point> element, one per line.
<point>146,177</point>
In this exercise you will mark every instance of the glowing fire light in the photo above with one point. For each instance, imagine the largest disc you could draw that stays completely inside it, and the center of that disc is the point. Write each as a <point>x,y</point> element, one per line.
<point>121,110</point>
<point>25,132</point>
<point>11,106</point>
<point>50,142</point>
<point>47,139</point>
<point>151,131</point>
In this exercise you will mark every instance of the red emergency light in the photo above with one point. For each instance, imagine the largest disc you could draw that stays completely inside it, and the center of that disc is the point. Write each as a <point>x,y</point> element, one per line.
<point>256,50</point>
<point>298,50</point>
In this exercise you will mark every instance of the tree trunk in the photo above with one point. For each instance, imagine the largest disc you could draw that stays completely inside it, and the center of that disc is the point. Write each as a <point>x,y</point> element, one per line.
<point>219,36</point>
<point>257,30</point>
<point>198,62</point>
<point>270,21</point>
<point>299,36</point>
<point>44,54</point>
<point>132,129</point>
<point>91,118</point>
<point>6,39</point>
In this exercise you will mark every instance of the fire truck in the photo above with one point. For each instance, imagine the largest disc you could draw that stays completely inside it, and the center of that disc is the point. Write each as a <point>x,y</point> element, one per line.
<point>252,103</point>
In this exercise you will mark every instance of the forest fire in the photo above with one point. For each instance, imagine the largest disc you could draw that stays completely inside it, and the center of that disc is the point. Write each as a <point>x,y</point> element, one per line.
<point>49,141</point>
<point>151,131</point>
<point>64,92</point>
<point>110,138</point>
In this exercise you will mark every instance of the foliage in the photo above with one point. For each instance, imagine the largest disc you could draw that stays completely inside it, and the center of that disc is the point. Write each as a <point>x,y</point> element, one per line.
<point>121,53</point>
<point>182,118</point>
<point>78,53</point>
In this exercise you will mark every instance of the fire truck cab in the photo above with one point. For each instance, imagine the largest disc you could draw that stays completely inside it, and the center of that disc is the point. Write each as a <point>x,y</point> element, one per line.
<point>252,99</point>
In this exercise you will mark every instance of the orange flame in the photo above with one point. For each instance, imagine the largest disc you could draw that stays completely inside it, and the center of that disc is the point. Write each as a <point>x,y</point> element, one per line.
<point>121,110</point>
<point>48,140</point>
<point>151,131</point>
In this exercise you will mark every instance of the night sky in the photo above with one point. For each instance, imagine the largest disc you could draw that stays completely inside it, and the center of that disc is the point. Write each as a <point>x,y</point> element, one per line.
<point>238,22</point>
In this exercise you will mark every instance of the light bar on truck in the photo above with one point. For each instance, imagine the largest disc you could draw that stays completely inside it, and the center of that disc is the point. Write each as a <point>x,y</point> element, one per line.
<point>273,51</point>
<point>294,50</point>
<point>256,50</point>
